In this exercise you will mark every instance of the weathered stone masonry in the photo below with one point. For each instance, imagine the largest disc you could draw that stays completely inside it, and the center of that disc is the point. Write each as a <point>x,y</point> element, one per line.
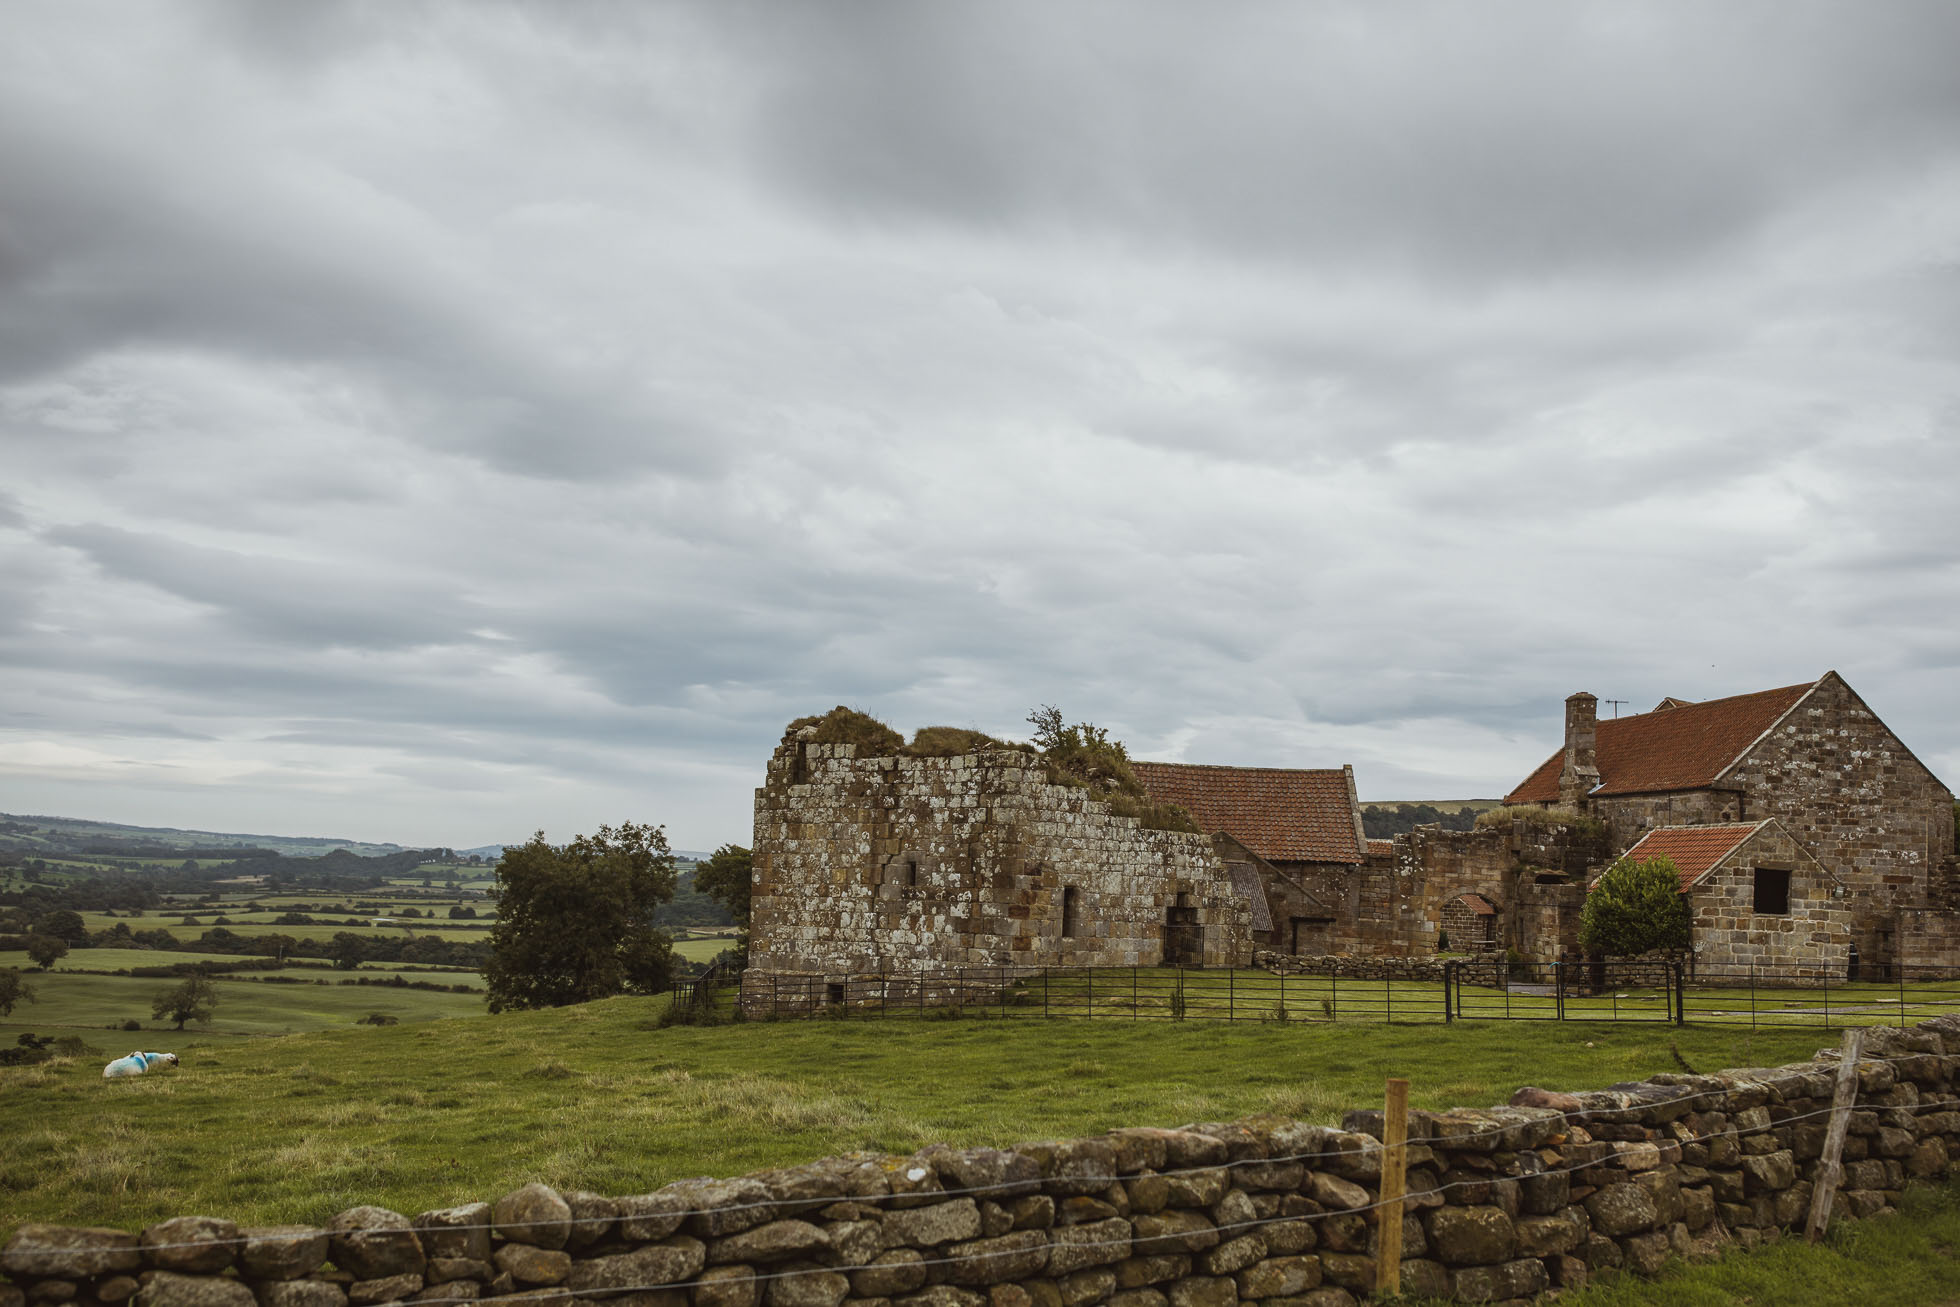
<point>1503,1204</point>
<point>869,864</point>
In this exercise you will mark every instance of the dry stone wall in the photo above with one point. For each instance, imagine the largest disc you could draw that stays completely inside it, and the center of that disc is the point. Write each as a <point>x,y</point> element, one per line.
<point>901,864</point>
<point>1503,1203</point>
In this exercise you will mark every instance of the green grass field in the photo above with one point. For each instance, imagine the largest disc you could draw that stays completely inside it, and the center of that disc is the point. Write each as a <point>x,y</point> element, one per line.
<point>95,1007</point>
<point>311,969</point>
<point>1907,1260</point>
<point>444,1111</point>
<point>263,923</point>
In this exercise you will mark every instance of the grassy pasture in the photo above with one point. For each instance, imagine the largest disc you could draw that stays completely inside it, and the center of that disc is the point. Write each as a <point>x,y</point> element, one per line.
<point>423,1115</point>
<point>114,959</point>
<point>262,924</point>
<point>71,1004</point>
<point>702,950</point>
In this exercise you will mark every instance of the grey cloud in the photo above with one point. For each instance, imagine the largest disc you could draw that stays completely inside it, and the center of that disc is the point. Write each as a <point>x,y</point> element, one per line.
<point>301,602</point>
<point>463,411</point>
<point>1490,140</point>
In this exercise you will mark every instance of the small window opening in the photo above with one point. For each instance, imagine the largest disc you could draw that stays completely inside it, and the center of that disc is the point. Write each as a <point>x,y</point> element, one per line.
<point>911,873</point>
<point>1071,909</point>
<point>834,993</point>
<point>1772,892</point>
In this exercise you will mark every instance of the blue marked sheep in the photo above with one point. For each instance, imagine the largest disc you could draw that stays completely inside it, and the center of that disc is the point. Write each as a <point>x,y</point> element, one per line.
<point>136,1064</point>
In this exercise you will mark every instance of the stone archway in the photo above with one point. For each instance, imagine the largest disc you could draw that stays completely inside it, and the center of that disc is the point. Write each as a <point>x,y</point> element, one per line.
<point>1471,923</point>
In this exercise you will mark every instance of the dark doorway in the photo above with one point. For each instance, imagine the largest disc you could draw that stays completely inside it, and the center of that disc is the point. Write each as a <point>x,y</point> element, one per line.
<point>1311,936</point>
<point>1184,938</point>
<point>1071,910</point>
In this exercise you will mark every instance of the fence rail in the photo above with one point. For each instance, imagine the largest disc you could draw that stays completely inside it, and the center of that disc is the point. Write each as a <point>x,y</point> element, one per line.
<point>1098,994</point>
<point>1617,990</point>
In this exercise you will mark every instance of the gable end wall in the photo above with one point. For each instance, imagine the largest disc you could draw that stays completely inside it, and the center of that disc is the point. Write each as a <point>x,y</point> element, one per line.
<point>1856,797</point>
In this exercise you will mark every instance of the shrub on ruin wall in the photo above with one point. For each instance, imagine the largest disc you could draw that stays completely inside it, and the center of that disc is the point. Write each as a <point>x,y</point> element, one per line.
<point>1083,756</point>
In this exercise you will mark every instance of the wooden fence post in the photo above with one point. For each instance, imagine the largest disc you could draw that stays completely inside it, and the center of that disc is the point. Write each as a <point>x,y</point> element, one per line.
<point>1830,1168</point>
<point>1395,1163</point>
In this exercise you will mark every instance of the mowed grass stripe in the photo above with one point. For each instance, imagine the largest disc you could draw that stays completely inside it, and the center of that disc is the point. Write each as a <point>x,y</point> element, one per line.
<point>447,1111</point>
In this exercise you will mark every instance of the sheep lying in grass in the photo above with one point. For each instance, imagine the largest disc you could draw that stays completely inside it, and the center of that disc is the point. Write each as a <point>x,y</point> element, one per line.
<point>136,1064</point>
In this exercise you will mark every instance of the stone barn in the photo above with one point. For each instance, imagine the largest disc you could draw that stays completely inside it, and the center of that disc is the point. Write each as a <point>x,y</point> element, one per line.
<point>1290,839</point>
<point>1815,757</point>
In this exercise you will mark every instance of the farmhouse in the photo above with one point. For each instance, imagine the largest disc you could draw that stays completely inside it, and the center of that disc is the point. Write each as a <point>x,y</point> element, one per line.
<point>1841,786</point>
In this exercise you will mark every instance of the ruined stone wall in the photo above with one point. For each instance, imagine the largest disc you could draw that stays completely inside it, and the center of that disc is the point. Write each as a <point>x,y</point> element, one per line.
<point>1395,904</point>
<point>1856,797</point>
<point>1813,938</point>
<point>1546,918</point>
<point>1503,1203</point>
<point>910,864</point>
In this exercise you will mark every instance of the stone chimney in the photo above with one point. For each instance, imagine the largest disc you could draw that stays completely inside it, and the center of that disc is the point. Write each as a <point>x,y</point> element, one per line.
<point>1580,775</point>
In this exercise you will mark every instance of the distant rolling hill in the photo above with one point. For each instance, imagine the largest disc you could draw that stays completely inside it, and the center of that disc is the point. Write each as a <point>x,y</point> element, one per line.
<point>36,834</point>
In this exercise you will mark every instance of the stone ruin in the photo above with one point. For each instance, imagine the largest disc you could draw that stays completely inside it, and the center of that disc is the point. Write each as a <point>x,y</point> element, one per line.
<point>877,864</point>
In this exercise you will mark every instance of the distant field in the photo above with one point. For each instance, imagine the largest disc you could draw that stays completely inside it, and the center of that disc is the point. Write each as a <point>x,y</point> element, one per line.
<point>702,950</point>
<point>124,959</point>
<point>115,959</point>
<point>263,923</point>
<point>91,1006</point>
<point>446,1111</point>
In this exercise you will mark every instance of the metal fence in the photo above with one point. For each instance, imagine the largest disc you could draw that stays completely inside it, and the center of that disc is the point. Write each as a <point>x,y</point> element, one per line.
<point>1490,989</point>
<point>1097,994</point>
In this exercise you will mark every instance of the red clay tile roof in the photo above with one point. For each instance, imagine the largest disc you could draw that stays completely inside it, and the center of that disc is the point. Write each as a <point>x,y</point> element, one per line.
<point>1478,904</point>
<point>1281,814</point>
<point>1380,848</point>
<point>1680,748</point>
<point>1692,849</point>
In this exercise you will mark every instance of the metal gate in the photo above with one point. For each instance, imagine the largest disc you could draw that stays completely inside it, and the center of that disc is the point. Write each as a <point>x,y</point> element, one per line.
<point>1494,989</point>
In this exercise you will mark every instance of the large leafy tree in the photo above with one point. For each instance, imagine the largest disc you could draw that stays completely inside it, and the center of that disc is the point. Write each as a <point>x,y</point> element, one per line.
<point>725,877</point>
<point>1635,907</point>
<point>576,923</point>
<point>46,950</point>
<point>66,924</point>
<point>194,1000</point>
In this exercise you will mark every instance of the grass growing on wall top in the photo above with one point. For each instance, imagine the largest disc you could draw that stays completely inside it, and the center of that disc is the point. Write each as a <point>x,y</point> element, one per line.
<point>1537,818</point>
<point>420,1116</point>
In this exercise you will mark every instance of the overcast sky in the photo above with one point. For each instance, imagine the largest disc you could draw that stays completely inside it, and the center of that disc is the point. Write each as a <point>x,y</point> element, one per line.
<point>430,423</point>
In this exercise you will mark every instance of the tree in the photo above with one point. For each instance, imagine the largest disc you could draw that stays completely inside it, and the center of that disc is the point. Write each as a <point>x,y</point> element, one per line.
<point>67,925</point>
<point>191,1001</point>
<point>349,950</point>
<point>13,989</point>
<point>46,950</point>
<point>1635,907</point>
<point>576,923</point>
<point>725,877</point>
